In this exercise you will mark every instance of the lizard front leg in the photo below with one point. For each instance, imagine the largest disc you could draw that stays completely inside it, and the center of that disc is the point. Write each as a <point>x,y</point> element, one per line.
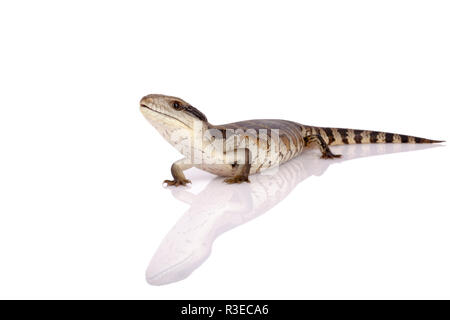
<point>243,166</point>
<point>177,173</point>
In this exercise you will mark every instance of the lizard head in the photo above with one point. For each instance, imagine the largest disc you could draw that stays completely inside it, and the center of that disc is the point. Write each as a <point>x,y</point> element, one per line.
<point>170,112</point>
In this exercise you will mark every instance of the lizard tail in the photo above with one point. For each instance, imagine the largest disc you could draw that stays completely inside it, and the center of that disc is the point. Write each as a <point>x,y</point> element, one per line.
<point>340,136</point>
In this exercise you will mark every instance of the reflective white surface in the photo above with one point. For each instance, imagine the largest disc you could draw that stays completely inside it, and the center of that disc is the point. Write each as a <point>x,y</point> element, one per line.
<point>220,207</point>
<point>82,209</point>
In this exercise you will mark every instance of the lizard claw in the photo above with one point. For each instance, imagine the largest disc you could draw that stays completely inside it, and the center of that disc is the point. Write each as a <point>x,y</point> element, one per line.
<point>237,179</point>
<point>330,155</point>
<point>177,182</point>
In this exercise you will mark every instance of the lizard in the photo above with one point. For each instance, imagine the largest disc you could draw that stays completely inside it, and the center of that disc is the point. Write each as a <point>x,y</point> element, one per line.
<point>239,149</point>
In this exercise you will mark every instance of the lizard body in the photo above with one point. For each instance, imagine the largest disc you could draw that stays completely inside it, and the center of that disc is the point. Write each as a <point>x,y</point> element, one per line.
<point>239,149</point>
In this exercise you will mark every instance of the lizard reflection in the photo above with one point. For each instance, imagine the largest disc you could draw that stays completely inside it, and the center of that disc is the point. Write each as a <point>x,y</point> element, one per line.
<point>221,207</point>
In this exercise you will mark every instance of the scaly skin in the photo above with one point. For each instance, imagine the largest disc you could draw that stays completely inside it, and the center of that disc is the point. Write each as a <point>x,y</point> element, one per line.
<point>237,150</point>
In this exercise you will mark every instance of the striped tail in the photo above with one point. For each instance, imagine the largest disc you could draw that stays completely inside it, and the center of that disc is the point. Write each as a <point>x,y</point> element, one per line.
<point>340,136</point>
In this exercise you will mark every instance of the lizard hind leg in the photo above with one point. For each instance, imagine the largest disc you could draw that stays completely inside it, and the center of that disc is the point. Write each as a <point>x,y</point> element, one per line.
<point>324,148</point>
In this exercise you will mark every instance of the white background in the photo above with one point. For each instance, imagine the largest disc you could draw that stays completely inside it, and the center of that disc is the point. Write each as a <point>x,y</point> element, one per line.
<point>82,209</point>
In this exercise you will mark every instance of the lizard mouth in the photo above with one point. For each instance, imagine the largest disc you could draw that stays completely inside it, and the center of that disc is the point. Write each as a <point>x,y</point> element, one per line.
<point>164,114</point>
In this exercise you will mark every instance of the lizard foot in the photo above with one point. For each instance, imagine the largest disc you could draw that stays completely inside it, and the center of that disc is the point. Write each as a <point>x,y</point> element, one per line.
<point>330,155</point>
<point>177,182</point>
<point>237,179</point>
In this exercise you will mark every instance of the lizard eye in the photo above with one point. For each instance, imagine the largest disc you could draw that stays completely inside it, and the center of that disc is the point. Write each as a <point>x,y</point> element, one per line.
<point>177,106</point>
